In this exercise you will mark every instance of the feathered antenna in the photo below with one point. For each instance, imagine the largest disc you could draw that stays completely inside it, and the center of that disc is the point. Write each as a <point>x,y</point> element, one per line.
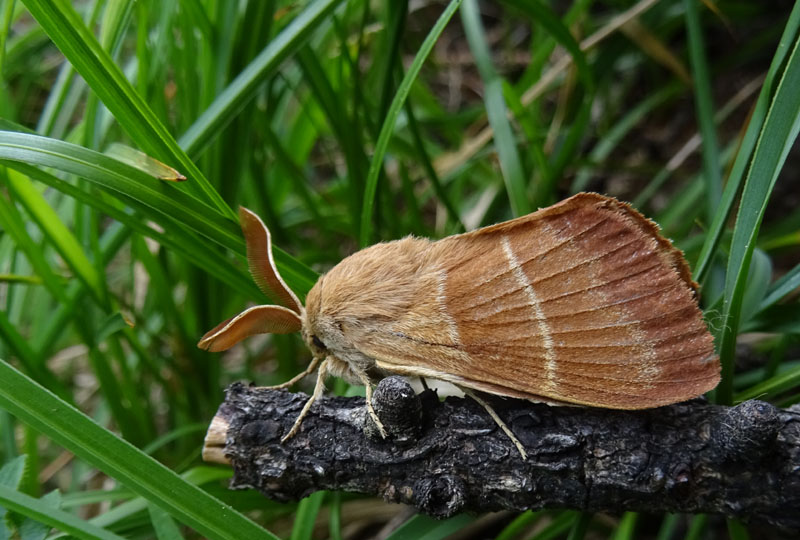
<point>266,319</point>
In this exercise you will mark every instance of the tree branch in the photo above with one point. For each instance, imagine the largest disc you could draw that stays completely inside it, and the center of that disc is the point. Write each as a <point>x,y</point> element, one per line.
<point>448,457</point>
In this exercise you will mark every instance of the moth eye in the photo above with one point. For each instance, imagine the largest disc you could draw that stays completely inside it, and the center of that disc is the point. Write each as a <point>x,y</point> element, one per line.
<point>318,342</point>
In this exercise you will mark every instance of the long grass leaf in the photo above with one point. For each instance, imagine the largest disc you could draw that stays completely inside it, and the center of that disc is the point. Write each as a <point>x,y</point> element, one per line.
<point>422,527</point>
<point>163,524</point>
<point>505,141</point>
<point>787,284</point>
<point>14,226</point>
<point>376,164</point>
<point>159,199</point>
<point>65,27</point>
<point>143,475</point>
<point>705,107</point>
<point>56,232</point>
<point>518,525</point>
<point>772,386</point>
<point>581,525</point>
<point>776,139</point>
<point>306,516</point>
<point>543,15</point>
<point>242,89</point>
<point>751,136</point>
<point>609,142</point>
<point>41,511</point>
<point>191,247</point>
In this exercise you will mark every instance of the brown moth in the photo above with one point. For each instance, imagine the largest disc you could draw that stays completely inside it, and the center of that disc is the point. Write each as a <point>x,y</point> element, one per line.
<point>582,303</point>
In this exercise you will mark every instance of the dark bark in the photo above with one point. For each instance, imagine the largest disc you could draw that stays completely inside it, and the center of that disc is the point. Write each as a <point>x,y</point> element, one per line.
<point>448,457</point>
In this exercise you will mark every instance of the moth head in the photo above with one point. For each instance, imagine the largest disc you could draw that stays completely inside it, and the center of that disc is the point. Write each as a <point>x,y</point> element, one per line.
<point>359,296</point>
<point>283,318</point>
<point>323,326</point>
<point>332,328</point>
<point>316,338</point>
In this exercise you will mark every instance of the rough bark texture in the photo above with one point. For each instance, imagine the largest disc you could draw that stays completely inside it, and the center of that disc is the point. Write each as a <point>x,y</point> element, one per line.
<point>448,457</point>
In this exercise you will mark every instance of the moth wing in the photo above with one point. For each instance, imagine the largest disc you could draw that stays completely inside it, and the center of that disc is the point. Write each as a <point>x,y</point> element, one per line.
<point>252,321</point>
<point>583,302</point>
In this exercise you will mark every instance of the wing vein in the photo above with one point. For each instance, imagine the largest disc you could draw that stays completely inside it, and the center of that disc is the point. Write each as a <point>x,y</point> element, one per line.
<point>687,335</point>
<point>583,311</point>
<point>538,255</point>
<point>485,315</point>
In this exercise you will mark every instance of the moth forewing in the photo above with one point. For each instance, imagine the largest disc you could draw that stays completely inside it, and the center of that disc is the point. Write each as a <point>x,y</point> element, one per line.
<point>583,302</point>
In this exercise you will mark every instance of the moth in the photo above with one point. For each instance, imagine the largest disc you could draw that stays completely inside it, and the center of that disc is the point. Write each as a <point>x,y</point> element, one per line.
<point>581,303</point>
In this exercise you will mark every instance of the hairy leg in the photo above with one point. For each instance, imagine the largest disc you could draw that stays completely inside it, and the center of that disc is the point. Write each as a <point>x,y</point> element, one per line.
<point>318,389</point>
<point>497,420</point>
<point>368,385</point>
<point>308,371</point>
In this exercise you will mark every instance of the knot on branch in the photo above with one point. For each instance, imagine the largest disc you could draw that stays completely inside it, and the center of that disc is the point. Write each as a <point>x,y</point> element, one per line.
<point>746,432</point>
<point>441,496</point>
<point>399,408</point>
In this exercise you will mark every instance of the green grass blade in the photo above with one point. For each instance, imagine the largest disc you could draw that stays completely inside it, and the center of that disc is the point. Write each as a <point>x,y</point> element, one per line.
<point>427,165</point>
<point>376,164</point>
<point>519,524</point>
<point>543,15</point>
<point>751,136</point>
<point>737,530</point>
<point>65,27</point>
<point>705,107</point>
<point>189,245</point>
<point>28,358</point>
<point>11,473</point>
<point>787,284</point>
<point>612,138</point>
<point>335,520</point>
<point>56,232</point>
<point>143,475</point>
<point>342,126</point>
<point>5,27</point>
<point>39,510</point>
<point>422,527</point>
<point>563,521</point>
<point>772,386</point>
<point>116,176</point>
<point>626,530</point>
<point>306,516</point>
<point>163,524</point>
<point>505,141</point>
<point>228,103</point>
<point>14,226</point>
<point>159,200</point>
<point>669,525</point>
<point>697,527</point>
<point>759,276</point>
<point>581,525</point>
<point>777,137</point>
<point>16,278</point>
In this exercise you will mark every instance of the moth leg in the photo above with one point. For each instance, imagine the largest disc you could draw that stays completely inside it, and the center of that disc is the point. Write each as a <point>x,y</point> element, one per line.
<point>308,371</point>
<point>318,389</point>
<point>372,414</point>
<point>497,420</point>
<point>424,383</point>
